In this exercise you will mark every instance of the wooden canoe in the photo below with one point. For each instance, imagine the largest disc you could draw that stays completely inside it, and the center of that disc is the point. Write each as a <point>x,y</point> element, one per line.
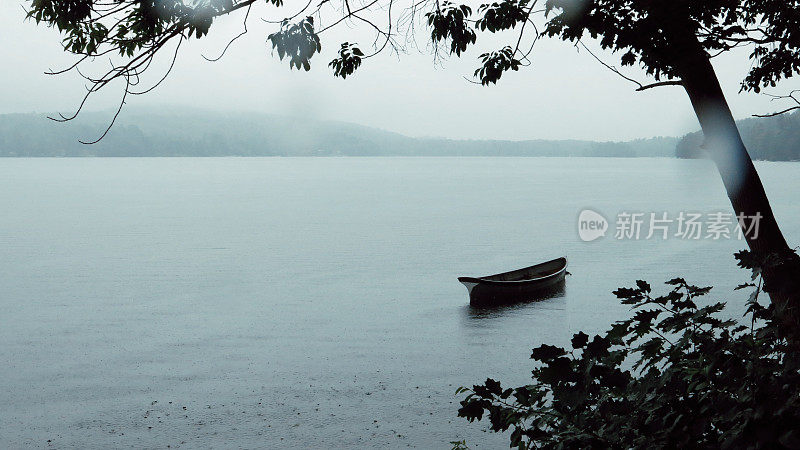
<point>531,283</point>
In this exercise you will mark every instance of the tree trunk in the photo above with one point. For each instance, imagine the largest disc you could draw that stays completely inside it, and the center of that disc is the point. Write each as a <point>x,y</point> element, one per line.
<point>742,183</point>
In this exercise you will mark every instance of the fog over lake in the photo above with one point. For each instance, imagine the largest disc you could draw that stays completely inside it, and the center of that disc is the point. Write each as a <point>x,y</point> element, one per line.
<point>312,302</point>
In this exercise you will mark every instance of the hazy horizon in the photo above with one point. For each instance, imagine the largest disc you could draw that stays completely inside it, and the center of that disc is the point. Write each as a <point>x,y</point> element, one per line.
<point>168,108</point>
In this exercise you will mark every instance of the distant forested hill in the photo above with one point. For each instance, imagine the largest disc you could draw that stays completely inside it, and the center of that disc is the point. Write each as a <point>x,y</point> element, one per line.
<point>772,138</point>
<point>182,132</point>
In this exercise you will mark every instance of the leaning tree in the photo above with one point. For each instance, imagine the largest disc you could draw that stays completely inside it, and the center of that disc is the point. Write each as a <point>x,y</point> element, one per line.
<point>672,41</point>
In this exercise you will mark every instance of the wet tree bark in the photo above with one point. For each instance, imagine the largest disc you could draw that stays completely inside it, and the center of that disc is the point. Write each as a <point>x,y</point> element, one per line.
<point>743,185</point>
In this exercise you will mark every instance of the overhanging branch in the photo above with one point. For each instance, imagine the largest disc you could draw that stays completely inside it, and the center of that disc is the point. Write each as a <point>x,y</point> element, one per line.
<point>640,86</point>
<point>790,96</point>
<point>659,84</point>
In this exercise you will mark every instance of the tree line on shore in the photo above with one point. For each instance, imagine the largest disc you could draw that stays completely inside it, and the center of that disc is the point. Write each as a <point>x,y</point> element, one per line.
<point>196,133</point>
<point>771,139</point>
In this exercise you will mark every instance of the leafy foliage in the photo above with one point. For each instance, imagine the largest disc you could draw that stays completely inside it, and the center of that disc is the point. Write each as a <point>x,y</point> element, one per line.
<point>503,15</point>
<point>297,41</point>
<point>665,38</point>
<point>495,64</point>
<point>673,376</point>
<point>348,61</point>
<point>141,23</point>
<point>450,22</point>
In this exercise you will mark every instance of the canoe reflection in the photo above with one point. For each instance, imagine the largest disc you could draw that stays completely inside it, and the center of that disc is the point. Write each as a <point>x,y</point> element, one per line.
<point>550,300</point>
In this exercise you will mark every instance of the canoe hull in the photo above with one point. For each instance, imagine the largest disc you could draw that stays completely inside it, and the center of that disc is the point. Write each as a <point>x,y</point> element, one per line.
<point>495,290</point>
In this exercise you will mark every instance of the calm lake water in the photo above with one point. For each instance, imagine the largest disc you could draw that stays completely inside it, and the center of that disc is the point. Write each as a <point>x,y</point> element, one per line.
<point>289,302</point>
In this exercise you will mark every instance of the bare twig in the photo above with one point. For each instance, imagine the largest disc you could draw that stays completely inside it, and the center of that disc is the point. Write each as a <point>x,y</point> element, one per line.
<point>790,96</point>
<point>114,119</point>
<point>640,86</point>
<point>244,23</point>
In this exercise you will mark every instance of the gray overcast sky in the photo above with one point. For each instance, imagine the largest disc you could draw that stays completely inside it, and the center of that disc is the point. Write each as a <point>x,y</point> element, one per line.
<point>564,95</point>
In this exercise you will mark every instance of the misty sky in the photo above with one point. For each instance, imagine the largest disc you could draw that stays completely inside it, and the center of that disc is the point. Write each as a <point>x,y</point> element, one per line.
<point>564,95</point>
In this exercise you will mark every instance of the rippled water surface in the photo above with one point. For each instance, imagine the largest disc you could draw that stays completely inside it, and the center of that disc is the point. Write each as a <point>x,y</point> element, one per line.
<point>289,302</point>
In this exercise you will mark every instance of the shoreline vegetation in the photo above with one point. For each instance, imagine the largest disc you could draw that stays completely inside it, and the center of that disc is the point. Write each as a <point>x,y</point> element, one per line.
<point>175,132</point>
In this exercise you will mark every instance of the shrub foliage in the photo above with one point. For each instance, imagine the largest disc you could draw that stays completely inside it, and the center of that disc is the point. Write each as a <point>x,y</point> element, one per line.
<point>674,375</point>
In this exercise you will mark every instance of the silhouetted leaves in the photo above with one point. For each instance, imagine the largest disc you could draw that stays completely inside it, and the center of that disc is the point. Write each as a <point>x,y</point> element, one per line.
<point>663,37</point>
<point>348,61</point>
<point>297,41</point>
<point>546,353</point>
<point>502,15</point>
<point>597,347</point>
<point>451,22</point>
<point>579,340</point>
<point>495,63</point>
<point>698,381</point>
